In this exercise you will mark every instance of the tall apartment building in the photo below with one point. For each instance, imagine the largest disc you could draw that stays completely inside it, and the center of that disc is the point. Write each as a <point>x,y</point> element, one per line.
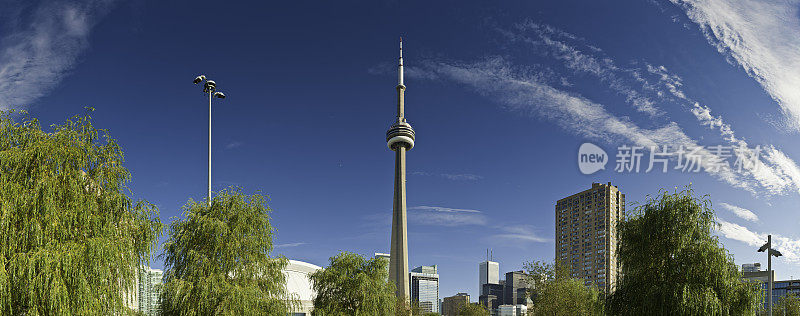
<point>425,288</point>
<point>149,290</point>
<point>452,304</point>
<point>586,235</point>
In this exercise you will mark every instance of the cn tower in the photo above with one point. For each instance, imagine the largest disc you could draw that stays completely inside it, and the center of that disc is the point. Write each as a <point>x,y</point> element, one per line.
<point>400,138</point>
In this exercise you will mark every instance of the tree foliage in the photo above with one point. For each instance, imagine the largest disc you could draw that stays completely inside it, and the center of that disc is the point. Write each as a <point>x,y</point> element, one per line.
<point>672,264</point>
<point>472,310</point>
<point>352,285</point>
<point>71,239</point>
<point>788,305</point>
<point>554,292</point>
<point>217,260</point>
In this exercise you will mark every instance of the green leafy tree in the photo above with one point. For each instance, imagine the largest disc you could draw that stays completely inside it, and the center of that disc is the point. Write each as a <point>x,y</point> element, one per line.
<point>71,240</point>
<point>554,292</point>
<point>472,310</point>
<point>217,260</point>
<point>353,286</point>
<point>672,264</point>
<point>788,305</point>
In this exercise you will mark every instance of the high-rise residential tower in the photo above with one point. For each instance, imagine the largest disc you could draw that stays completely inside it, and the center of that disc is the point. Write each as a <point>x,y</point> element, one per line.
<point>400,138</point>
<point>586,235</point>
<point>149,290</point>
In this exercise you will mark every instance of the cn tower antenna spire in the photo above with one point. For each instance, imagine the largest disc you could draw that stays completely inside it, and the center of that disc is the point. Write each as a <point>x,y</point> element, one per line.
<point>400,65</point>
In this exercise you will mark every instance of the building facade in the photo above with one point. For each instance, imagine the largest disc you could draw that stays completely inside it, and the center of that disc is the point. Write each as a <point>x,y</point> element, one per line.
<point>512,310</point>
<point>452,304</point>
<point>515,290</point>
<point>586,235</point>
<point>488,273</point>
<point>779,290</point>
<point>299,286</point>
<point>149,293</point>
<point>751,267</point>
<point>425,288</point>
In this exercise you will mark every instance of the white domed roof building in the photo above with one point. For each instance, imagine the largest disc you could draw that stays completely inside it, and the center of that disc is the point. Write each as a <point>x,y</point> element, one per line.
<point>299,286</point>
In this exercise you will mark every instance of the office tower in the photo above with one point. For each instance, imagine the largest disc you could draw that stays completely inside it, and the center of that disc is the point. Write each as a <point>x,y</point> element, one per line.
<point>400,138</point>
<point>751,267</point>
<point>516,288</point>
<point>586,235</point>
<point>452,304</point>
<point>488,273</point>
<point>490,287</point>
<point>149,290</point>
<point>425,288</point>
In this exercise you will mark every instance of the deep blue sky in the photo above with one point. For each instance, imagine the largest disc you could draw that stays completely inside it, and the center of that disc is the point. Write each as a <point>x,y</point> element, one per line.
<point>310,88</point>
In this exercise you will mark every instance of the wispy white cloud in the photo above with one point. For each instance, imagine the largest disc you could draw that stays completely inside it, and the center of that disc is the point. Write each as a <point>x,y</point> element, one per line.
<point>291,245</point>
<point>462,176</point>
<point>450,176</point>
<point>445,216</point>
<point>775,173</point>
<point>521,233</point>
<point>789,247</point>
<point>761,36</point>
<point>42,47</point>
<point>583,58</point>
<point>525,93</point>
<point>743,213</point>
<point>234,144</point>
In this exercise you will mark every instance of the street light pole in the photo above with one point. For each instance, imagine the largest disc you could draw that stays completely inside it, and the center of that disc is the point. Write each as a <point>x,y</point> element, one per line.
<point>209,87</point>
<point>770,252</point>
<point>209,147</point>
<point>769,274</point>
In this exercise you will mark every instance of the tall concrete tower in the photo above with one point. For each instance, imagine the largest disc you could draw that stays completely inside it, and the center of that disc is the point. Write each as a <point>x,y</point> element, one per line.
<point>400,138</point>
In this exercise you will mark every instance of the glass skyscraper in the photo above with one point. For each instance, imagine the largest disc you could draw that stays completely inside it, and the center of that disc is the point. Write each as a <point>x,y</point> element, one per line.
<point>425,288</point>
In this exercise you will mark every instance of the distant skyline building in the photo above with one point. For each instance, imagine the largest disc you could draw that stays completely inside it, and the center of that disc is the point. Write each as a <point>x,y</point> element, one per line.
<point>425,288</point>
<point>149,290</point>
<point>488,273</point>
<point>490,287</point>
<point>512,310</point>
<point>385,257</point>
<point>516,288</point>
<point>586,235</point>
<point>751,267</point>
<point>452,304</point>
<point>400,138</point>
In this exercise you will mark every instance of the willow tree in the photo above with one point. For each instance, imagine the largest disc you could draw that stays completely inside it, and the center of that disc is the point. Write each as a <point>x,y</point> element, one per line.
<point>352,285</point>
<point>555,292</point>
<point>673,264</point>
<point>217,260</point>
<point>71,240</point>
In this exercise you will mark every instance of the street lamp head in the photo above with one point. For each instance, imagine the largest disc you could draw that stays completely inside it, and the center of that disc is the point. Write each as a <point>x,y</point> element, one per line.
<point>775,253</point>
<point>763,248</point>
<point>219,95</point>
<point>199,79</point>
<point>210,86</point>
